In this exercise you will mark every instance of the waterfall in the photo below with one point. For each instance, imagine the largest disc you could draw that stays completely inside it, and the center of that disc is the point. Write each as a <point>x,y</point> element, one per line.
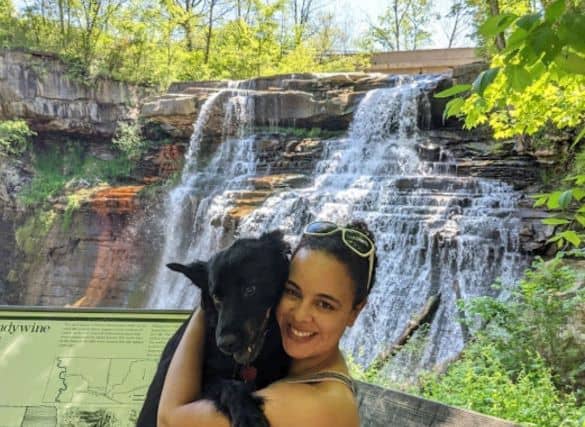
<point>436,233</point>
<point>201,197</point>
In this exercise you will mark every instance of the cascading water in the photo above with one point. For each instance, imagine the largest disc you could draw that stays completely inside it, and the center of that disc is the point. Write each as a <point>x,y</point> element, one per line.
<point>436,233</point>
<point>202,196</point>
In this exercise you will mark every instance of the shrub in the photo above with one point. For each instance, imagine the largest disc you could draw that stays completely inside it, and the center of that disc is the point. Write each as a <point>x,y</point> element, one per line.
<point>541,318</point>
<point>15,137</point>
<point>129,140</point>
<point>58,166</point>
<point>480,381</point>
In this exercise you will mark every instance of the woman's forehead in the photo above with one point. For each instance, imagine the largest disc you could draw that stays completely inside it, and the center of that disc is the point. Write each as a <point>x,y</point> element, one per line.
<point>320,272</point>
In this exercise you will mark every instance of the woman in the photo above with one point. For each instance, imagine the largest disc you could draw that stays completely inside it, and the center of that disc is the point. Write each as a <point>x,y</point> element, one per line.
<point>331,271</point>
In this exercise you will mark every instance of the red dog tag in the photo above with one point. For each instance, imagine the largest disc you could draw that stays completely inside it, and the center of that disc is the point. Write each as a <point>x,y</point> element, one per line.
<point>248,373</point>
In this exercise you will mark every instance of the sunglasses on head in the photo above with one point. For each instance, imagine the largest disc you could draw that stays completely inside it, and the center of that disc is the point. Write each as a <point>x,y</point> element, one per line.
<point>355,240</point>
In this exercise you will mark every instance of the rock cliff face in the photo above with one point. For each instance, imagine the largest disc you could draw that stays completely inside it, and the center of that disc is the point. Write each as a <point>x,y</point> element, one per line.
<point>299,100</point>
<point>102,255</point>
<point>38,88</point>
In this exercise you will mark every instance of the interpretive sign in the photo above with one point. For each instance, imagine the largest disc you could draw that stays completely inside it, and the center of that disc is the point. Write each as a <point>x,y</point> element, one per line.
<point>78,368</point>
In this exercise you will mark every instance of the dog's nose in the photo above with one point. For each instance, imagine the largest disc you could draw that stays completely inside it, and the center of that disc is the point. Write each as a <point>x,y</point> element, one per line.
<point>229,343</point>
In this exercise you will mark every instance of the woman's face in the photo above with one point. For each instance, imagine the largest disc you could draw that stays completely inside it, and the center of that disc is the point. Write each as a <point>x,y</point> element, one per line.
<point>317,305</point>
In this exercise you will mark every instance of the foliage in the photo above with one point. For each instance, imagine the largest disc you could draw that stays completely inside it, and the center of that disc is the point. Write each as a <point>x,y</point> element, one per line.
<point>526,364</point>
<point>34,231</point>
<point>568,205</point>
<point>542,318</point>
<point>15,137</point>
<point>128,139</point>
<point>481,382</point>
<point>396,372</point>
<point>7,21</point>
<point>402,25</point>
<point>156,42</point>
<point>56,167</point>
<point>537,79</point>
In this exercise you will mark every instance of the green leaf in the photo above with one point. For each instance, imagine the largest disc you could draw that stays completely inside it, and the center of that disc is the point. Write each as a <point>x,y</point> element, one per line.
<point>518,77</point>
<point>496,24</point>
<point>484,80</point>
<point>516,38</point>
<point>553,200</point>
<point>571,31</point>
<point>572,237</point>
<point>580,219</point>
<point>528,22</point>
<point>540,202</point>
<point>453,108</point>
<point>565,199</point>
<point>554,11</point>
<point>578,193</point>
<point>453,90</point>
<point>571,62</point>
<point>544,40</point>
<point>579,179</point>
<point>555,221</point>
<point>578,137</point>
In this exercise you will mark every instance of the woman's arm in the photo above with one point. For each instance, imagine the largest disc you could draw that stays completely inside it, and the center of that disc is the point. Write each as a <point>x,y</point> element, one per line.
<point>182,385</point>
<point>286,405</point>
<point>325,405</point>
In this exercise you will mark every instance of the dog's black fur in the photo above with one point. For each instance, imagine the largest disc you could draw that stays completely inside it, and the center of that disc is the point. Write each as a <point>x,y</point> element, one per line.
<point>240,287</point>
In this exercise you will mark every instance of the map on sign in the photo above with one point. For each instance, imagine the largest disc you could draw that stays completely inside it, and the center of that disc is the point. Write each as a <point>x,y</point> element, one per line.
<point>88,379</point>
<point>78,368</point>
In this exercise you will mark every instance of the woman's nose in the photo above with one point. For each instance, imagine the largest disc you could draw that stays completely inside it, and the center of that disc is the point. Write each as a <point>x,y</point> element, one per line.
<point>302,312</point>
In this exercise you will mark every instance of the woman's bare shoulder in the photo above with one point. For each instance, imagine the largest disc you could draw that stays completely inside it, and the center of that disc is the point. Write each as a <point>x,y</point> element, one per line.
<point>323,404</point>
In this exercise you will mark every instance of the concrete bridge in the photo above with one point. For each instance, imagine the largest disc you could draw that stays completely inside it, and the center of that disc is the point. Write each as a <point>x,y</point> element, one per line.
<point>423,61</point>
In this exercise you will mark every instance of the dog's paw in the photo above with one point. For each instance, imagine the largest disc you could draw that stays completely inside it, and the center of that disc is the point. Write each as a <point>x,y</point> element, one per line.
<point>236,401</point>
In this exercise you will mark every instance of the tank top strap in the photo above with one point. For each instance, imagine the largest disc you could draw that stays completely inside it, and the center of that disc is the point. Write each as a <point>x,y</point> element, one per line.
<point>323,376</point>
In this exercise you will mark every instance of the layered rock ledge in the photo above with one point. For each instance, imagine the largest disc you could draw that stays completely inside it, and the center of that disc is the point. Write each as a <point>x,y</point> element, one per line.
<point>39,87</point>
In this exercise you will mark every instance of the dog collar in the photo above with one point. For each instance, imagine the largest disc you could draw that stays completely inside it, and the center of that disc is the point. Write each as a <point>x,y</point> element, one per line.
<point>248,373</point>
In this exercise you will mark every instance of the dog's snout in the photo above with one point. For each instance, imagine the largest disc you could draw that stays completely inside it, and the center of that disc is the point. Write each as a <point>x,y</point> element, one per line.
<point>229,343</point>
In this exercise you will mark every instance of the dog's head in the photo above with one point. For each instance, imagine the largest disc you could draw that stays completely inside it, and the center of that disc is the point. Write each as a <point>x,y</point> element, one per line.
<point>242,285</point>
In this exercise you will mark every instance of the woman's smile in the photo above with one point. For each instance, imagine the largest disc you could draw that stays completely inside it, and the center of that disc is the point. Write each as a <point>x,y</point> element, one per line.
<point>300,334</point>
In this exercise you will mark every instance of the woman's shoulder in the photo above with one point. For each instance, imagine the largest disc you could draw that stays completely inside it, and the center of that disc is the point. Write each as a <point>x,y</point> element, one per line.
<point>325,403</point>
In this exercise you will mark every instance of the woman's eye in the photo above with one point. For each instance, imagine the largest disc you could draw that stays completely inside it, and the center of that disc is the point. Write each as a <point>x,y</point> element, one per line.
<point>249,291</point>
<point>292,292</point>
<point>216,300</point>
<point>325,305</point>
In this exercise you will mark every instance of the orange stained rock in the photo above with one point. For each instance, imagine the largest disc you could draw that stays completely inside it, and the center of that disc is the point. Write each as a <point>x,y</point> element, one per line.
<point>114,252</point>
<point>115,200</point>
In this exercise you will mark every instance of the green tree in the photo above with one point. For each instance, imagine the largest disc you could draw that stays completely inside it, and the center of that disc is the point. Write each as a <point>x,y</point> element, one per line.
<point>538,79</point>
<point>7,23</point>
<point>402,25</point>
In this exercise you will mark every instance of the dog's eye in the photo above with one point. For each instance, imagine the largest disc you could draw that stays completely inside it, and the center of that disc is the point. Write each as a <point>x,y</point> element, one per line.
<point>249,290</point>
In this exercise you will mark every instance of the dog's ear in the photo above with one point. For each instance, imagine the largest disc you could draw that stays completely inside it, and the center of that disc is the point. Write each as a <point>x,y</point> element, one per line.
<point>276,238</point>
<point>197,272</point>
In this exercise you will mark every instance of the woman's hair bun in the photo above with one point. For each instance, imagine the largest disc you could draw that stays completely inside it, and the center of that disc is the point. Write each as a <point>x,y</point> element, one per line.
<point>361,227</point>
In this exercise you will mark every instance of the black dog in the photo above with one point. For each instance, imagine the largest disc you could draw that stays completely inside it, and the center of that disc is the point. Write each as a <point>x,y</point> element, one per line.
<point>240,287</point>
